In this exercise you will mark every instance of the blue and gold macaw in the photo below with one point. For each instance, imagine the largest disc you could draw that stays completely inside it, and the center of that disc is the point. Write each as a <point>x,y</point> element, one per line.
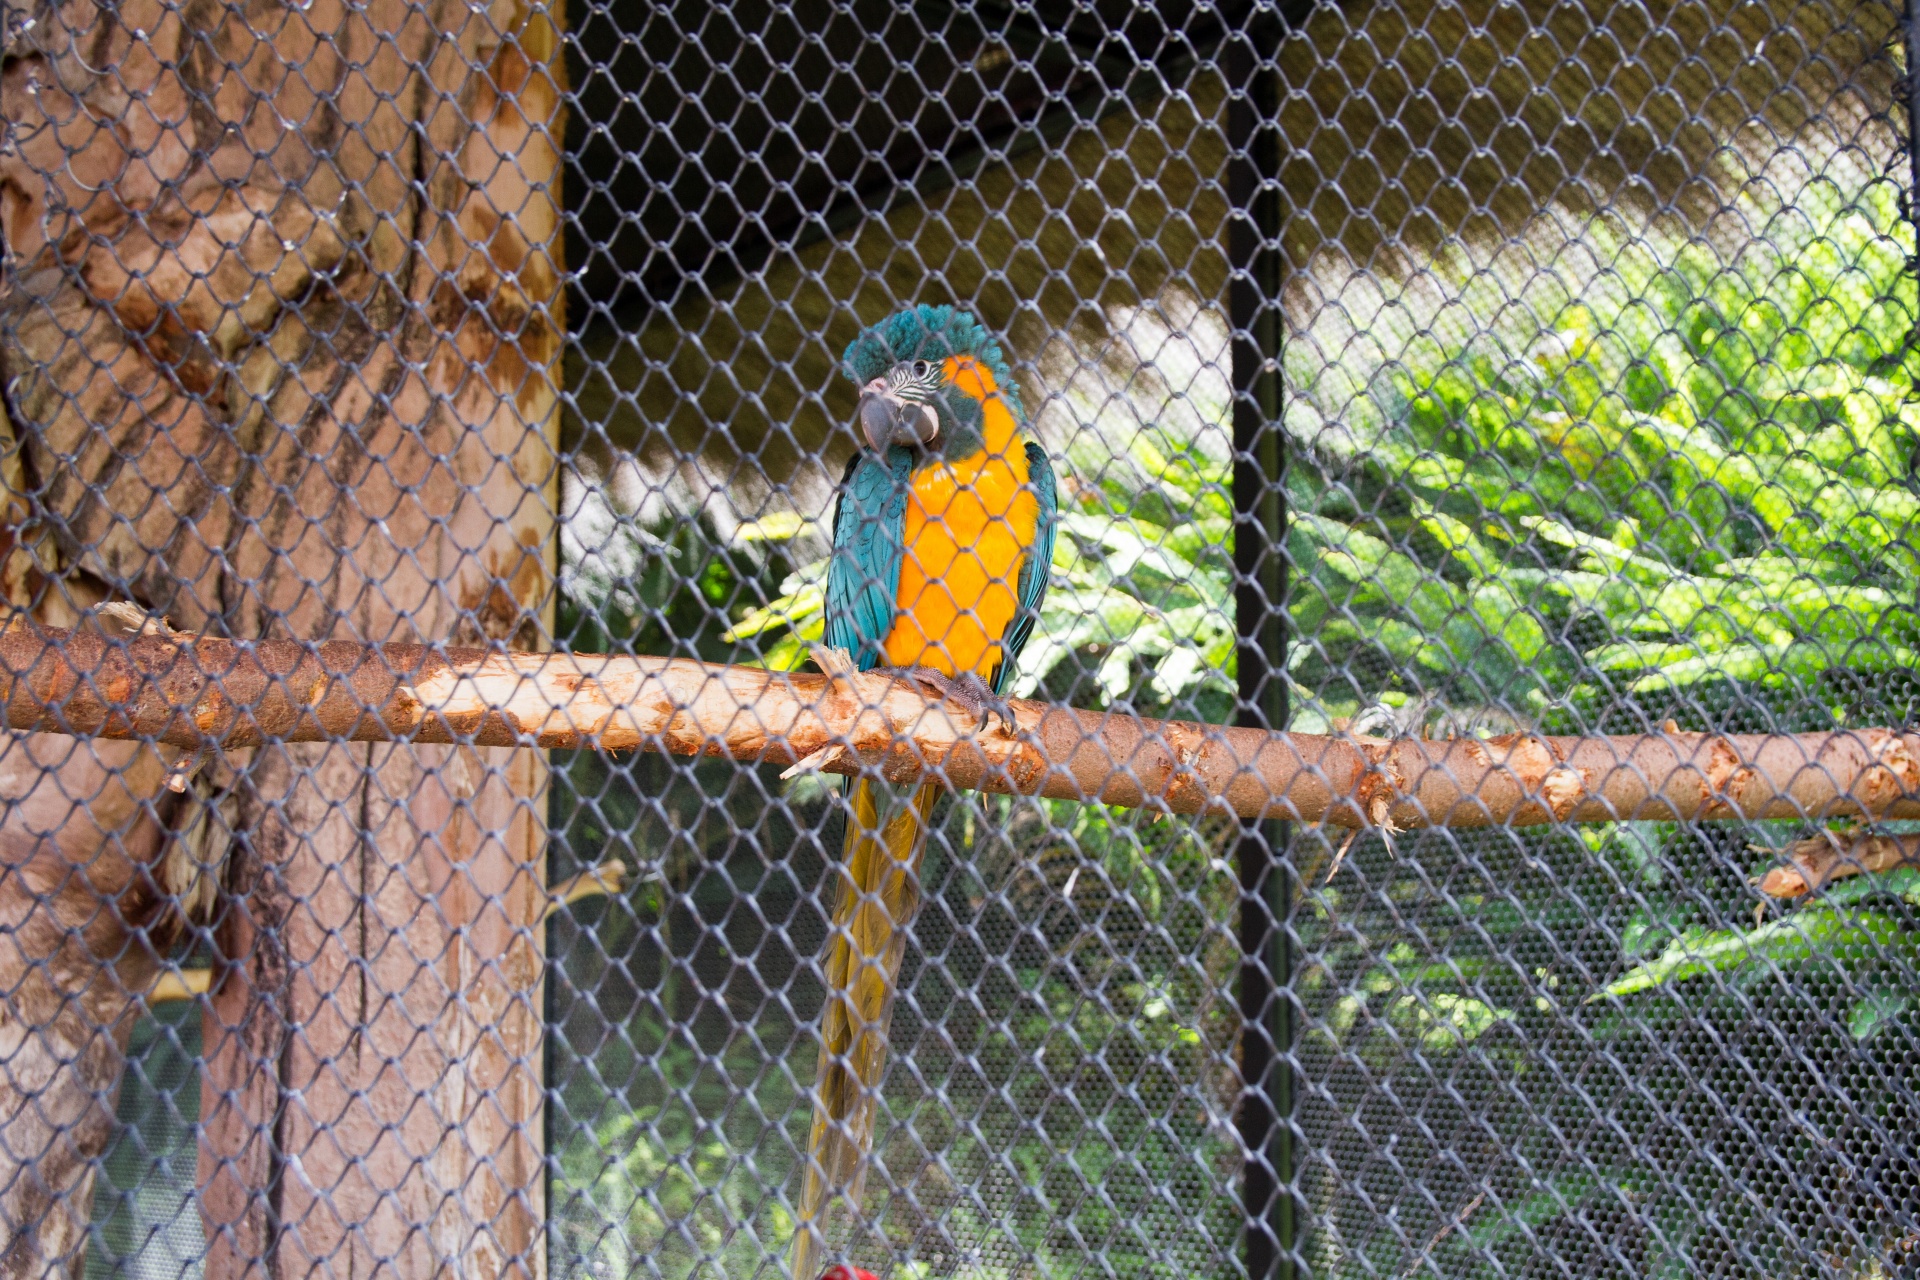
<point>941,546</point>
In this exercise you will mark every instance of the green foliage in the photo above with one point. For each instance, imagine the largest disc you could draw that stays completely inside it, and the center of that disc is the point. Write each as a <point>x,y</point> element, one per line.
<point>658,1177</point>
<point>1697,474</point>
<point>1123,999</point>
<point>1678,488</point>
<point>1142,576</point>
<point>1876,1012</point>
<point>1829,931</point>
<point>1678,491</point>
<point>629,591</point>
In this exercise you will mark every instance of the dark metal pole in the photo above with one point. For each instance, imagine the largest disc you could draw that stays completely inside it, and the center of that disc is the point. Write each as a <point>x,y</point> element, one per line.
<point>1911,20</point>
<point>1910,87</point>
<point>1266,964</point>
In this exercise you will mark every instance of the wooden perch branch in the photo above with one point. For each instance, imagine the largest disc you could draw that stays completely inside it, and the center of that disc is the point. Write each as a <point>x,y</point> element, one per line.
<point>198,692</point>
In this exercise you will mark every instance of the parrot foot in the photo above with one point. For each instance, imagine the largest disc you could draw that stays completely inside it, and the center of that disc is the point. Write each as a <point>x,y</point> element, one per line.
<point>970,693</point>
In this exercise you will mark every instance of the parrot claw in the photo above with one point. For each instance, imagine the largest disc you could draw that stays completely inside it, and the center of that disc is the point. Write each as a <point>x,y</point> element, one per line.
<point>970,693</point>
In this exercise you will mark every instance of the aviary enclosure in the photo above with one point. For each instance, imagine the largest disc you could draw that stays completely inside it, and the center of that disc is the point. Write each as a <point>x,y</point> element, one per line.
<point>1455,815</point>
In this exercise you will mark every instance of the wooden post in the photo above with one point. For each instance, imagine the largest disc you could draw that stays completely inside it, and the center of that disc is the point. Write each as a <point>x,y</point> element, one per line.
<point>280,325</point>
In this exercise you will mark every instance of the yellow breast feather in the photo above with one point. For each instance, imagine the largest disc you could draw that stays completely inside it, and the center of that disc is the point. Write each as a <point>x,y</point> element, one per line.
<point>968,527</point>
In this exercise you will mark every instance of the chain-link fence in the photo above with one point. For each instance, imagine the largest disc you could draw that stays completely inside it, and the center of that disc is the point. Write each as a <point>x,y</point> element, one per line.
<point>1512,401</point>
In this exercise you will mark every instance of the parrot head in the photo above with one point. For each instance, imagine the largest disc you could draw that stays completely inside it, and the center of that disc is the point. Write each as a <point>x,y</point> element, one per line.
<point>905,368</point>
<point>845,1272</point>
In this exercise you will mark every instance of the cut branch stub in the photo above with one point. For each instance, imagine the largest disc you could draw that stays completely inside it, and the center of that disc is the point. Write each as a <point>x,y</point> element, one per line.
<point>1820,859</point>
<point>204,692</point>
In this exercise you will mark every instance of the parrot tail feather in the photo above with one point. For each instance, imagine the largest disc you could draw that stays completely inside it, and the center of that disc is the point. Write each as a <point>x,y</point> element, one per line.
<point>879,893</point>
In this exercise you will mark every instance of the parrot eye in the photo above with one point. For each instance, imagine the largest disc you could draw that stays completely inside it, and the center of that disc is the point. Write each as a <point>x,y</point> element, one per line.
<point>914,380</point>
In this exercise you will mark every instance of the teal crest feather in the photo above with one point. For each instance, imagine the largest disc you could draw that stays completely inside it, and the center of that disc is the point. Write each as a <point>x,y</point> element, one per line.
<point>929,333</point>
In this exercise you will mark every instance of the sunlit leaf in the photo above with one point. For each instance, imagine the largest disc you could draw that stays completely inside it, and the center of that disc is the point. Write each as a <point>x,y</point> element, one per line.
<point>1878,1012</point>
<point>777,526</point>
<point>1811,933</point>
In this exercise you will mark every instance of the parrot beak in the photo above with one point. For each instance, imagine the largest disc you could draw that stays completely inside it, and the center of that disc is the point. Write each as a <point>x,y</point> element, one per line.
<point>888,420</point>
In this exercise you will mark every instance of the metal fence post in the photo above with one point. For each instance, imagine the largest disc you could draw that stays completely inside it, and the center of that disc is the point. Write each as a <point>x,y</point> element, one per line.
<point>1266,1107</point>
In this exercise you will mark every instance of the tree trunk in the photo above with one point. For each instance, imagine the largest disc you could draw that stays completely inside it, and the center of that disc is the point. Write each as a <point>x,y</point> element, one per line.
<point>279,327</point>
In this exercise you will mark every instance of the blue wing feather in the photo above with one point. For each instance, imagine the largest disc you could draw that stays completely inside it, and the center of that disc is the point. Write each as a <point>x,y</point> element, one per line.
<point>1034,570</point>
<point>869,543</point>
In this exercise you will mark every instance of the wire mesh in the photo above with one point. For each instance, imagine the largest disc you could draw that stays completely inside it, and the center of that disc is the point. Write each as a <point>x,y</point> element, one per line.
<point>1480,375</point>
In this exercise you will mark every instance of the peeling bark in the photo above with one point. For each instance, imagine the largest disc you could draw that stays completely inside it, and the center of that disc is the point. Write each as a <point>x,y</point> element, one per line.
<point>277,321</point>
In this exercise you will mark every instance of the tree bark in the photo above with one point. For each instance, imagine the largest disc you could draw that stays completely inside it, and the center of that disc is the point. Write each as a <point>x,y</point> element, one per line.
<point>280,314</point>
<point>188,692</point>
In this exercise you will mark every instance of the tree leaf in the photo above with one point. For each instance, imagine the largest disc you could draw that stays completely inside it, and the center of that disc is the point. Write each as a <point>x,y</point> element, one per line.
<point>1877,1012</point>
<point>1814,932</point>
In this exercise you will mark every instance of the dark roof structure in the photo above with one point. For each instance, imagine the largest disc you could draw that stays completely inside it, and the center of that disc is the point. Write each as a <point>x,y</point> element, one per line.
<point>705,137</point>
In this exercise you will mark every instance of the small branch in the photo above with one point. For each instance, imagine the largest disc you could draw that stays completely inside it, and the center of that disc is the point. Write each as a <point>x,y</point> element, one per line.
<point>1459,1220</point>
<point>608,879</point>
<point>1817,861</point>
<point>207,693</point>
